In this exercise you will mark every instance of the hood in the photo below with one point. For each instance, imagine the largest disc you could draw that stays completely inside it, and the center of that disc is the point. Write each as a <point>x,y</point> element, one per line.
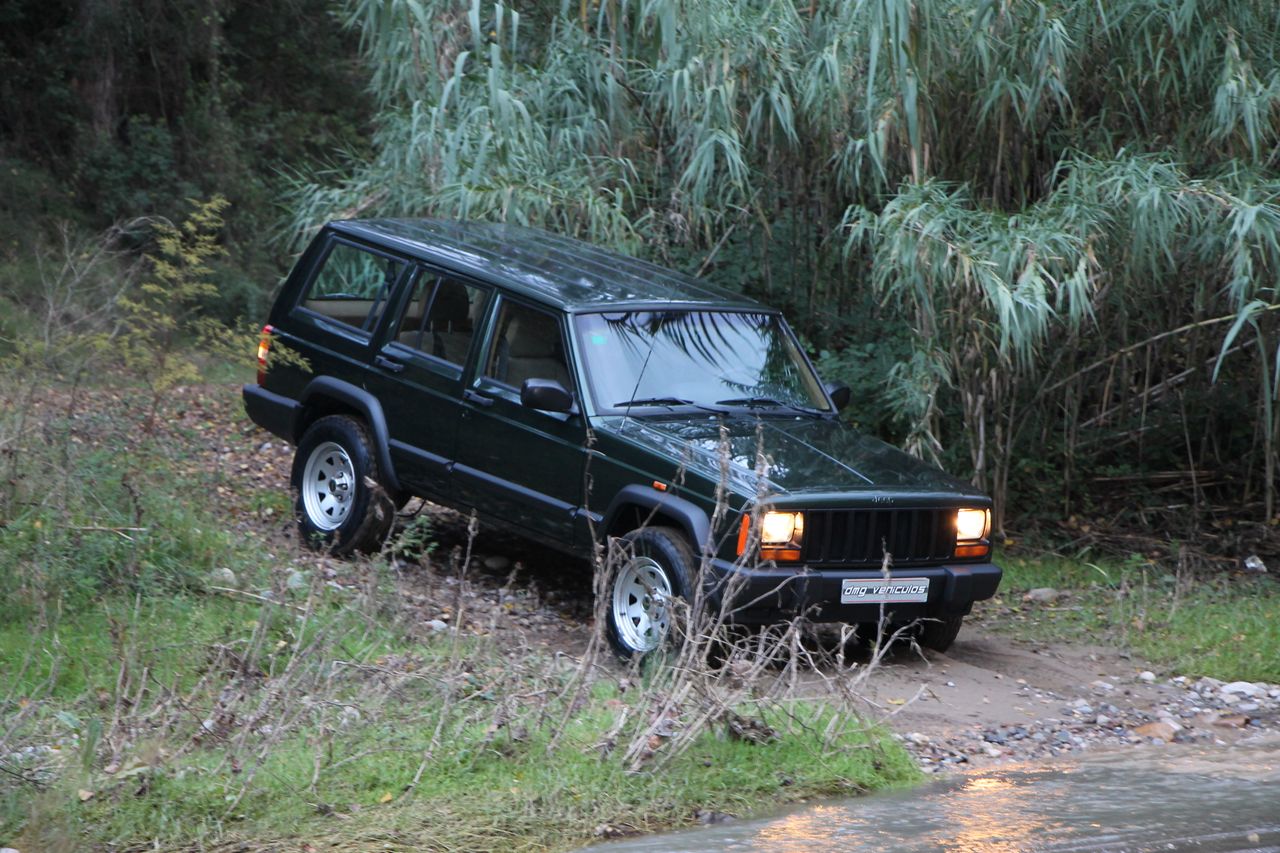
<point>804,455</point>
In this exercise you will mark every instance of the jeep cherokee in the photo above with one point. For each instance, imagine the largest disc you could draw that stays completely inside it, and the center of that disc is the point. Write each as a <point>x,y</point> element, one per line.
<point>571,394</point>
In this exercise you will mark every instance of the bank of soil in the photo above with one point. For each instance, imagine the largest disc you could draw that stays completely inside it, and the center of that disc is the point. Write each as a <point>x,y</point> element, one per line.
<point>989,699</point>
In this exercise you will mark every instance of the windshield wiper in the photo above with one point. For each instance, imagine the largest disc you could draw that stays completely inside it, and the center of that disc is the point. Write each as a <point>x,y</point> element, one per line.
<point>768,403</point>
<point>667,403</point>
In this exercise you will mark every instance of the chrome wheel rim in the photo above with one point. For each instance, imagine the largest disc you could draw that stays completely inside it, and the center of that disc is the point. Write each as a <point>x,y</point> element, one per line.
<point>640,596</point>
<point>328,486</point>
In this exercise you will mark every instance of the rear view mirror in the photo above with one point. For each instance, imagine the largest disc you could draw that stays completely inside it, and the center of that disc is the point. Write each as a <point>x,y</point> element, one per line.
<point>545,395</point>
<point>839,394</point>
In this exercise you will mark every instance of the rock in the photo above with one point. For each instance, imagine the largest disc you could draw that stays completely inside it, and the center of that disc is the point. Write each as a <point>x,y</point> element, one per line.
<point>497,563</point>
<point>296,581</point>
<point>1247,707</point>
<point>1253,565</point>
<point>436,626</point>
<point>993,752</point>
<point>1234,721</point>
<point>1206,684</point>
<point>1157,731</point>
<point>1101,686</point>
<point>1042,595</point>
<point>1147,676</point>
<point>917,738</point>
<point>1103,721</point>
<point>222,576</point>
<point>1242,688</point>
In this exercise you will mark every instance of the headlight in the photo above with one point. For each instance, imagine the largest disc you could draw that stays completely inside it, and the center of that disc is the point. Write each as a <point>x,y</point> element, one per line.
<point>780,535</point>
<point>781,528</point>
<point>972,524</point>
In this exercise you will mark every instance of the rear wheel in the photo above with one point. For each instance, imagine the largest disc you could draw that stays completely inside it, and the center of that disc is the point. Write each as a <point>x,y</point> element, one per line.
<point>340,505</point>
<point>655,570</point>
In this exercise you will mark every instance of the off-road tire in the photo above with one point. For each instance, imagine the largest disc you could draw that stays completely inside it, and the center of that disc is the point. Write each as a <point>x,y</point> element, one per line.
<point>938,634</point>
<point>657,556</point>
<point>341,505</point>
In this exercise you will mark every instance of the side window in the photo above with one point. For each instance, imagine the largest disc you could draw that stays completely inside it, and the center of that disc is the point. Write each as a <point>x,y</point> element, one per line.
<point>528,346</point>
<point>353,286</point>
<point>440,317</point>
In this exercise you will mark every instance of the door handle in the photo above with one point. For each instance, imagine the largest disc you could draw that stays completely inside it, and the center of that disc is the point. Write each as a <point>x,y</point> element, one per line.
<point>479,399</point>
<point>388,364</point>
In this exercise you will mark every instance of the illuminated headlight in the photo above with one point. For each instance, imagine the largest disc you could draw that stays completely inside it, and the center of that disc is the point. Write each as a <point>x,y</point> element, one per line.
<point>781,528</point>
<point>972,524</point>
<point>780,535</point>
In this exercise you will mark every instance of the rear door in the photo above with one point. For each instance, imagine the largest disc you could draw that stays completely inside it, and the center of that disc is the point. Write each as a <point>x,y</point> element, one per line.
<point>417,374</point>
<point>522,465</point>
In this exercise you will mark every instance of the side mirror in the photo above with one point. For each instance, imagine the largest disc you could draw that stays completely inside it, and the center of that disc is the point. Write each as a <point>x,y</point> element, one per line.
<point>545,395</point>
<point>839,394</point>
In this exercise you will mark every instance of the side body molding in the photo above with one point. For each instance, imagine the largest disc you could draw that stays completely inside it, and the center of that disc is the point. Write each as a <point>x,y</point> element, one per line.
<point>368,405</point>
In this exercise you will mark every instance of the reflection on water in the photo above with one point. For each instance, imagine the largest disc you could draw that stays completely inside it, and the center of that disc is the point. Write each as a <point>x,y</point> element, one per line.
<point>1164,798</point>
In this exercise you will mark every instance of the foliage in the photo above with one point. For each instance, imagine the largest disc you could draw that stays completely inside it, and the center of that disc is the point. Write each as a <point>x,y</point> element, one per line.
<point>1069,205</point>
<point>160,326</point>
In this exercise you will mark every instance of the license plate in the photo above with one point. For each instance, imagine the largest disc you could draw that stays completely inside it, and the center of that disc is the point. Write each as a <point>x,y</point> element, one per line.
<point>884,591</point>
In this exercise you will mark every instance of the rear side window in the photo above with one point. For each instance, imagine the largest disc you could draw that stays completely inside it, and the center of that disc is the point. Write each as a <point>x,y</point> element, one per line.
<point>440,317</point>
<point>353,286</point>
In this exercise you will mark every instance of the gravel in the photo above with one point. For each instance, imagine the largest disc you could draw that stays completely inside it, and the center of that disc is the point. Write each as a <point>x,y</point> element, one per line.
<point>1206,711</point>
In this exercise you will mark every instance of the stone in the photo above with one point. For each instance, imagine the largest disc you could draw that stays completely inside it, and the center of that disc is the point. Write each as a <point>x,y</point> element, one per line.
<point>1253,565</point>
<point>1147,676</point>
<point>1042,595</point>
<point>1156,731</point>
<point>917,738</point>
<point>1242,688</point>
<point>1247,707</point>
<point>296,581</point>
<point>436,626</point>
<point>222,576</point>
<point>1102,686</point>
<point>1103,721</point>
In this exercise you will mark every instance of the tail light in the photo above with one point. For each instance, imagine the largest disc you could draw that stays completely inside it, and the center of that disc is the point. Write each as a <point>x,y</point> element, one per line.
<point>264,349</point>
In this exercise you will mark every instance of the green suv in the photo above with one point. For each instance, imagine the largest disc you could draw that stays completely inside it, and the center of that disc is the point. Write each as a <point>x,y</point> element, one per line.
<point>573,394</point>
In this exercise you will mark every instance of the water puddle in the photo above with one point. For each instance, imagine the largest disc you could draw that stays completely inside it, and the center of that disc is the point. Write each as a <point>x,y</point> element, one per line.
<point>1155,798</point>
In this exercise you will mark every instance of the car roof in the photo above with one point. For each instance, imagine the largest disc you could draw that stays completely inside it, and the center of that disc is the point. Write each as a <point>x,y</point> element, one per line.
<point>555,270</point>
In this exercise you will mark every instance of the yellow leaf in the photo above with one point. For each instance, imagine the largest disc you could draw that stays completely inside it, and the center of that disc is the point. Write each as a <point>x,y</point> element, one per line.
<point>897,701</point>
<point>84,795</point>
<point>386,798</point>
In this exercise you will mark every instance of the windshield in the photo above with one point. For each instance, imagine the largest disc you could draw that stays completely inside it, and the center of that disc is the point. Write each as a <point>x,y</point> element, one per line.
<point>711,359</point>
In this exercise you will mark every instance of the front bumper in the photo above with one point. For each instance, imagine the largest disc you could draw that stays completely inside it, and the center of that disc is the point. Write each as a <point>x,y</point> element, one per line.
<point>766,594</point>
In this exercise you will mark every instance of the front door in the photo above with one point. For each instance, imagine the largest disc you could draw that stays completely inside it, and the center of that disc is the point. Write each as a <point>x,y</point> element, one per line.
<point>523,465</point>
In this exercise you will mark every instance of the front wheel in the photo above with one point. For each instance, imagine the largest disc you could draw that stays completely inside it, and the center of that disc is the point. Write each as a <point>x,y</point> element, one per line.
<point>340,503</point>
<point>939,634</point>
<point>655,569</point>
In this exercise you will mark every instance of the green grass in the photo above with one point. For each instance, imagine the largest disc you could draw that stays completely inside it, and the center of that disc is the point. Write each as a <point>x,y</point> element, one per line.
<point>485,787</point>
<point>1226,626</point>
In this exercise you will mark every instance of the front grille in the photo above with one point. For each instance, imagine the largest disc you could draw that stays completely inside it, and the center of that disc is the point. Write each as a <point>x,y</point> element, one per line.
<point>860,537</point>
